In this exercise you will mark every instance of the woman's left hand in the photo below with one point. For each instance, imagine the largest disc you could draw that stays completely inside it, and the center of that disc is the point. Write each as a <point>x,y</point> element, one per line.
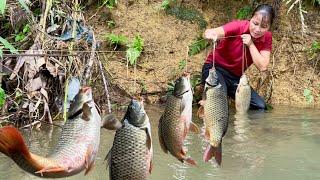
<point>246,39</point>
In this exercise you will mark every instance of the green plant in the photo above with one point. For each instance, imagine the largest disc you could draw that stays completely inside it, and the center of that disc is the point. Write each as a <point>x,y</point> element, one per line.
<point>2,97</point>
<point>135,49</point>
<point>111,24</point>
<point>244,13</point>
<point>116,40</point>
<point>314,49</point>
<point>170,86</point>
<point>165,4</point>
<point>2,6</point>
<point>109,3</point>
<point>315,2</point>
<point>197,46</point>
<point>22,35</point>
<point>186,14</point>
<point>6,45</point>
<point>182,64</point>
<point>308,95</point>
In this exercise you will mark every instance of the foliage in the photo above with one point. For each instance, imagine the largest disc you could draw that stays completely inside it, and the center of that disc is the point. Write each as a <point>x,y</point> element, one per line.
<point>197,46</point>
<point>135,49</point>
<point>308,95</point>
<point>116,39</point>
<point>165,4</point>
<point>22,35</point>
<point>2,97</point>
<point>186,14</point>
<point>111,24</point>
<point>2,6</point>
<point>170,86</point>
<point>182,64</point>
<point>6,45</point>
<point>315,49</point>
<point>109,3</point>
<point>244,13</point>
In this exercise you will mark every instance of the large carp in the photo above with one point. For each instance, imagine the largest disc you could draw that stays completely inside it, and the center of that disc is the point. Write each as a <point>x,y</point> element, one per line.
<point>176,120</point>
<point>131,154</point>
<point>243,95</point>
<point>216,114</point>
<point>76,149</point>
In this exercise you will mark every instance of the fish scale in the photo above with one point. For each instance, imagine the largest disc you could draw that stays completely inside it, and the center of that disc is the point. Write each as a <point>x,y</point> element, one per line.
<point>171,126</point>
<point>129,154</point>
<point>216,114</point>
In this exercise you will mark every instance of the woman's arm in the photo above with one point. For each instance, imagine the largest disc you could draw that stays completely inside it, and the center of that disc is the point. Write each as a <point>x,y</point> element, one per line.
<point>260,59</point>
<point>214,34</point>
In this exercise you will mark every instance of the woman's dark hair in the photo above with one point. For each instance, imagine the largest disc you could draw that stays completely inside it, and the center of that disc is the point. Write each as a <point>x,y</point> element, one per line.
<point>267,12</point>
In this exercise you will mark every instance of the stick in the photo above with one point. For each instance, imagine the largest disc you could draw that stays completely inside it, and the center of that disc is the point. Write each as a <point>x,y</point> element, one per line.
<point>105,85</point>
<point>90,63</point>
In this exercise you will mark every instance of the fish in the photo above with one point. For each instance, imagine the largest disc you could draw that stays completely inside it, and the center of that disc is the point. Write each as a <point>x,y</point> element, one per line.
<point>176,120</point>
<point>214,107</point>
<point>130,156</point>
<point>243,95</point>
<point>76,149</point>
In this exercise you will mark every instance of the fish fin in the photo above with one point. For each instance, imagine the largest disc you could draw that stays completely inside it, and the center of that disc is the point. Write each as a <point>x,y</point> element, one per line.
<point>89,160</point>
<point>200,112</point>
<point>213,151</point>
<point>218,154</point>
<point>208,153</point>
<point>190,161</point>
<point>206,134</point>
<point>150,167</point>
<point>11,142</point>
<point>108,158</point>
<point>91,166</point>
<point>149,140</point>
<point>50,170</point>
<point>194,128</point>
<point>110,122</point>
<point>162,143</point>
<point>86,112</point>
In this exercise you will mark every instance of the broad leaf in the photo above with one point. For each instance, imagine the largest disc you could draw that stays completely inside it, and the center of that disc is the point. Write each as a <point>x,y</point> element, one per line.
<point>8,45</point>
<point>24,5</point>
<point>2,6</point>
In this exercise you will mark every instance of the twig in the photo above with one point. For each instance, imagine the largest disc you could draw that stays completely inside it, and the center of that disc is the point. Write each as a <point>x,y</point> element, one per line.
<point>90,63</point>
<point>6,117</point>
<point>41,55</point>
<point>30,125</point>
<point>105,85</point>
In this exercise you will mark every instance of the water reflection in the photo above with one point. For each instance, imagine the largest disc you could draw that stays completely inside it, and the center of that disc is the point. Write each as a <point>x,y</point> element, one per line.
<point>280,144</point>
<point>241,127</point>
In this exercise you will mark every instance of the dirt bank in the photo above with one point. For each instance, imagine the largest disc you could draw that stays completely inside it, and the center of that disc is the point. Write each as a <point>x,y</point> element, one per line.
<point>167,39</point>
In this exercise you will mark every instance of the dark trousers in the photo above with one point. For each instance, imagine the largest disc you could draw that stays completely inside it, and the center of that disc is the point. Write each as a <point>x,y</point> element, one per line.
<point>230,83</point>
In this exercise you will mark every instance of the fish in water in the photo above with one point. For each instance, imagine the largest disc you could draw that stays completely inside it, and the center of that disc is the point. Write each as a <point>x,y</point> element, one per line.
<point>76,149</point>
<point>176,120</point>
<point>131,154</point>
<point>215,116</point>
<point>243,95</point>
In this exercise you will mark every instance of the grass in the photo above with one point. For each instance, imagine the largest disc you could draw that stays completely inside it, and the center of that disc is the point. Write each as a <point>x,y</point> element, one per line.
<point>187,14</point>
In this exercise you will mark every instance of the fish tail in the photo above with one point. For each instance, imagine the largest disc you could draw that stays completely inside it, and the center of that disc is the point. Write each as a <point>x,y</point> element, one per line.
<point>213,151</point>
<point>11,142</point>
<point>190,161</point>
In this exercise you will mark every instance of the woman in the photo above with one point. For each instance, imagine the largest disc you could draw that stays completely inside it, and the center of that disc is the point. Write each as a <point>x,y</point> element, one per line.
<point>228,57</point>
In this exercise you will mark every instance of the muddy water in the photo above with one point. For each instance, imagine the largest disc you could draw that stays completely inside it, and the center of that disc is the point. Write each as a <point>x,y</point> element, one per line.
<point>283,143</point>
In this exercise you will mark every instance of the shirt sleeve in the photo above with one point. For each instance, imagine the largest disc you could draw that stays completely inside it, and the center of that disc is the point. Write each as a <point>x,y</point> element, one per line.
<point>232,28</point>
<point>267,46</point>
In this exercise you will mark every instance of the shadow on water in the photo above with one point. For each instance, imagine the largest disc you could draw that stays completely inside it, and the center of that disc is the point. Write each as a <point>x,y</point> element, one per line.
<point>282,143</point>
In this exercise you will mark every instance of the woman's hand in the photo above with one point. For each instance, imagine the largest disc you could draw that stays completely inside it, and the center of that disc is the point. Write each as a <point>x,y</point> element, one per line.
<point>211,34</point>
<point>246,39</point>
